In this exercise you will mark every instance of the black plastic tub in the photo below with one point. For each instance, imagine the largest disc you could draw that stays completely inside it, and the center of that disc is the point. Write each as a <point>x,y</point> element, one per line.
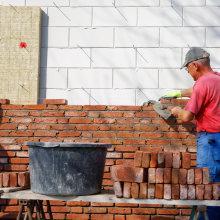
<point>66,168</point>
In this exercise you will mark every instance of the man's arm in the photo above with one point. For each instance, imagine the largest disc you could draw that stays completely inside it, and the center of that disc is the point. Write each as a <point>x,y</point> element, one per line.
<point>186,92</point>
<point>183,115</point>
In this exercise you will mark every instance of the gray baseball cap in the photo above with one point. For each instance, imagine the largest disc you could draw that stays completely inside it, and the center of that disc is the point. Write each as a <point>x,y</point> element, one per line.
<point>195,53</point>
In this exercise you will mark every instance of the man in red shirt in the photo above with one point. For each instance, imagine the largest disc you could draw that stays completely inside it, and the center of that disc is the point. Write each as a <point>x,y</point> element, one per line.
<point>204,107</point>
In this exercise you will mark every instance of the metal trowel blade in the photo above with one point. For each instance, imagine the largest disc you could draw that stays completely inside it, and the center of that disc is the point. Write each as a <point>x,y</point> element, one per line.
<point>162,110</point>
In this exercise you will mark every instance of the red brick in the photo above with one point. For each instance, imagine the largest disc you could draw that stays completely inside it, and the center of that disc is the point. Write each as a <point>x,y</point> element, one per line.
<point>198,176</point>
<point>191,192</point>
<point>78,216</point>
<point>186,160</point>
<point>151,191</point>
<point>126,173</point>
<point>55,101</point>
<point>119,217</point>
<point>24,179</point>
<point>175,176</point>
<point>137,217</point>
<point>117,210</point>
<point>117,186</point>
<point>95,210</point>
<point>144,211</point>
<point>159,191</point>
<point>6,179</point>
<point>216,191</point>
<point>208,192</point>
<point>159,175</point>
<point>101,217</point>
<point>167,191</point>
<point>161,160</point>
<point>200,192</point>
<point>127,190</point>
<point>146,160</point>
<point>138,158</point>
<point>167,175</point>
<point>143,191</point>
<point>175,191</point>
<point>176,160</point>
<point>183,176</point>
<point>168,160</point>
<point>190,176</point>
<point>183,191</point>
<point>205,175</point>
<point>153,160</point>
<point>152,175</point>
<point>4,101</point>
<point>1,180</point>
<point>134,190</point>
<point>13,180</point>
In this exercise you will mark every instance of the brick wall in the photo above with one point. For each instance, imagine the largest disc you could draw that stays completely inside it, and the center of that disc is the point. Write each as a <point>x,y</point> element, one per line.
<point>127,128</point>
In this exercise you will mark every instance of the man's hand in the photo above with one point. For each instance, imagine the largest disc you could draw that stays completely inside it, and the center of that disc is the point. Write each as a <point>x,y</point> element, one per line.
<point>175,111</point>
<point>172,94</point>
<point>183,115</point>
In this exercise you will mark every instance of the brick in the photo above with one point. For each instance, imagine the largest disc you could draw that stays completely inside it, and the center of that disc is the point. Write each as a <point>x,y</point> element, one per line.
<point>175,191</point>
<point>143,191</point>
<point>183,191</point>
<point>146,160</point>
<point>167,175</point>
<point>117,186</point>
<point>151,191</point>
<point>4,101</point>
<point>137,217</point>
<point>6,179</point>
<point>198,176</point>
<point>138,158</point>
<point>126,173</point>
<point>216,191</point>
<point>200,189</point>
<point>152,175</point>
<point>159,191</point>
<point>1,180</point>
<point>186,160</point>
<point>168,160</point>
<point>161,159</point>
<point>153,160</point>
<point>13,180</point>
<point>159,175</point>
<point>191,192</point>
<point>167,191</point>
<point>176,160</point>
<point>175,176</point>
<point>24,179</point>
<point>190,176</point>
<point>205,175</point>
<point>55,102</point>
<point>127,190</point>
<point>208,192</point>
<point>134,190</point>
<point>182,176</point>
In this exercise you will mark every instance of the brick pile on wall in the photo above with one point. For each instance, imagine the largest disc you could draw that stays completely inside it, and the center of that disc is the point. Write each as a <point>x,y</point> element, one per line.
<point>163,176</point>
<point>127,128</point>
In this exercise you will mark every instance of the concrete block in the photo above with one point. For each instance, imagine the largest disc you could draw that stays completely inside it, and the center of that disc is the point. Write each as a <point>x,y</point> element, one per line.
<point>54,37</point>
<point>135,78</point>
<point>91,37</point>
<point>194,17</point>
<point>110,57</point>
<point>113,96</point>
<point>78,97</point>
<point>159,16</point>
<point>56,57</point>
<point>96,3</point>
<point>137,37</point>
<point>12,2</point>
<point>70,16</point>
<point>159,57</point>
<point>212,36</point>
<point>53,78</point>
<point>174,78</point>
<point>138,3</point>
<point>212,3</point>
<point>47,3</point>
<point>182,37</point>
<point>188,2</point>
<point>53,94</point>
<point>111,16</point>
<point>89,78</point>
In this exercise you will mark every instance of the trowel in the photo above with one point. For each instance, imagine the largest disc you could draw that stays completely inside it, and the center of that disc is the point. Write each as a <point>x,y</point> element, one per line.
<point>161,109</point>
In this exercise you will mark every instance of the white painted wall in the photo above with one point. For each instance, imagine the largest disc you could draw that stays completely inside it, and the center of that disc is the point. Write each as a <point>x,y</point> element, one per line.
<point>123,51</point>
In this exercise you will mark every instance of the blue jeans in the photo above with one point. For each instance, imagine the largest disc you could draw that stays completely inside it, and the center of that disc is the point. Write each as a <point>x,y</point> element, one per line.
<point>208,155</point>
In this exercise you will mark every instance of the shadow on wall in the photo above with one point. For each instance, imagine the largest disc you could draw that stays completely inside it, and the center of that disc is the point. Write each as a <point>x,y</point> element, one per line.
<point>43,56</point>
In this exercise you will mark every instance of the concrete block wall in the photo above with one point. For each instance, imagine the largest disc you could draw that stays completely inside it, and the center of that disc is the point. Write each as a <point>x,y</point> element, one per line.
<point>121,51</point>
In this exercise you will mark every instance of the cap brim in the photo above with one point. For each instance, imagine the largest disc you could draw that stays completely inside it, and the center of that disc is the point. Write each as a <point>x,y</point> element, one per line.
<point>184,65</point>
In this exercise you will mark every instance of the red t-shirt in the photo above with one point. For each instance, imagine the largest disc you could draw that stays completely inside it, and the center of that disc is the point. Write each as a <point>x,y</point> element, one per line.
<point>205,102</point>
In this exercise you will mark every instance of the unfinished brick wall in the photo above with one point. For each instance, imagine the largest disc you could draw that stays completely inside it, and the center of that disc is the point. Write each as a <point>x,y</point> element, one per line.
<point>127,128</point>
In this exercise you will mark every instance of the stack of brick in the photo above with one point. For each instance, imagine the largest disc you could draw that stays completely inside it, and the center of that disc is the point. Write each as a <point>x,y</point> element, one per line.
<point>163,176</point>
<point>14,179</point>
